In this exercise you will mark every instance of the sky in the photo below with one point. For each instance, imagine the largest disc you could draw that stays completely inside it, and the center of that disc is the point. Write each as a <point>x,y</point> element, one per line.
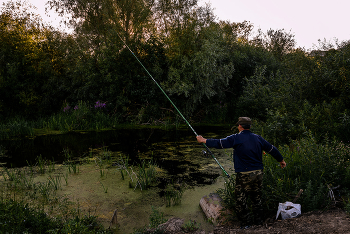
<point>308,20</point>
<point>49,17</point>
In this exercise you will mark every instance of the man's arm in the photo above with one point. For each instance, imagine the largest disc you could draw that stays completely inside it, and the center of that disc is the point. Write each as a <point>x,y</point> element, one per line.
<point>278,156</point>
<point>274,152</point>
<point>216,143</point>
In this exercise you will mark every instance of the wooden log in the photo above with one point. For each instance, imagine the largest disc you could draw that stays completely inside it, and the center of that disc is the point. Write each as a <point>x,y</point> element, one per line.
<point>212,207</point>
<point>114,220</point>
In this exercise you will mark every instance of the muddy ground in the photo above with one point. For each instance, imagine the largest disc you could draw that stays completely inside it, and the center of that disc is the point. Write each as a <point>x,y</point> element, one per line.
<point>332,221</point>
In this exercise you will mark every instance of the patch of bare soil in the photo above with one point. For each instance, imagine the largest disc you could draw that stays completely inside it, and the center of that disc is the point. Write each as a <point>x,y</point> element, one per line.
<point>331,221</point>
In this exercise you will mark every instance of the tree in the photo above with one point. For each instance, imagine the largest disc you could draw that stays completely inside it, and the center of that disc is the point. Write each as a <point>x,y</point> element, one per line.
<point>247,57</point>
<point>101,19</point>
<point>20,55</point>
<point>199,65</point>
<point>279,42</point>
<point>236,32</point>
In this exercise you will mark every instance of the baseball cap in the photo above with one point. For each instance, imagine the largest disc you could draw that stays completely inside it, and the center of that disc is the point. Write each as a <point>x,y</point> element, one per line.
<point>244,121</point>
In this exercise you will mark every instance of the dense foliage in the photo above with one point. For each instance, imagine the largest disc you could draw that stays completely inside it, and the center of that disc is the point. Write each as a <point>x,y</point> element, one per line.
<point>214,71</point>
<point>18,217</point>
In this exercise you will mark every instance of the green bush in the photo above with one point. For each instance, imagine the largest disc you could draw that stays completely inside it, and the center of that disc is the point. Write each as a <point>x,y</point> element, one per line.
<point>16,217</point>
<point>311,166</point>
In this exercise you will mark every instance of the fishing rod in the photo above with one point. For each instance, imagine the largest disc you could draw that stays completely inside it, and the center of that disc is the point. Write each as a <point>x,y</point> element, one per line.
<point>206,147</point>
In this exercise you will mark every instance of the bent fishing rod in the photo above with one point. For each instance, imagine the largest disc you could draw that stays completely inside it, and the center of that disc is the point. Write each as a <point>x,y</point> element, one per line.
<point>206,147</point>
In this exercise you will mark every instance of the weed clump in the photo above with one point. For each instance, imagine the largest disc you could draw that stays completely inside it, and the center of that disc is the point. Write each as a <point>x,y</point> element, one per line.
<point>18,217</point>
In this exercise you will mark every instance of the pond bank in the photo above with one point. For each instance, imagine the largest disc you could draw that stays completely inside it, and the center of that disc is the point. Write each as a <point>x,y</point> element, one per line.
<point>101,190</point>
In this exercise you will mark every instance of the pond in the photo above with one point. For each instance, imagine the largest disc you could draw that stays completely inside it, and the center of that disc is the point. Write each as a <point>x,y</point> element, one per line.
<point>175,152</point>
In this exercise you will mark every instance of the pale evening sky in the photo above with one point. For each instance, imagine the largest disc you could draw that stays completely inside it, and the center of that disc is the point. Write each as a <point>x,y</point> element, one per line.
<point>308,20</point>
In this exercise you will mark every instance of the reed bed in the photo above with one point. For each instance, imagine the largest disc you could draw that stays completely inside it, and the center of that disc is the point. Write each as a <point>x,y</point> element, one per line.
<point>17,127</point>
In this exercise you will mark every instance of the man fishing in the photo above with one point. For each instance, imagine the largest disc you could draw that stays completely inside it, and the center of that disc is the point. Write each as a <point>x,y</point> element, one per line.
<point>247,157</point>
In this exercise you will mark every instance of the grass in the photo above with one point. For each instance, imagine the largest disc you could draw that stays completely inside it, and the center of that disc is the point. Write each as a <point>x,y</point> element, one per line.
<point>347,205</point>
<point>173,194</point>
<point>101,164</point>
<point>17,127</point>
<point>85,118</point>
<point>190,226</point>
<point>145,175</point>
<point>55,181</point>
<point>105,189</point>
<point>155,219</point>
<point>51,165</point>
<point>103,160</point>
<point>9,174</point>
<point>2,151</point>
<point>123,166</point>
<point>46,190</point>
<point>27,180</point>
<point>73,166</point>
<point>20,217</point>
<point>41,164</point>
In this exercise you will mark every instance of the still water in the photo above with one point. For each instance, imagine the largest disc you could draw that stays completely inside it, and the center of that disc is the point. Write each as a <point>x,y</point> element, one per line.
<point>175,150</point>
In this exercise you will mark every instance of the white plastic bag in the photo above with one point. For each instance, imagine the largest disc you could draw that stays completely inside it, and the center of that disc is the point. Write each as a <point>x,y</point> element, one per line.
<point>288,210</point>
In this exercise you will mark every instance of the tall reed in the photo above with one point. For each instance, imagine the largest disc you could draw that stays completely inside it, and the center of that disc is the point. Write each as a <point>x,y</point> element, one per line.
<point>17,127</point>
<point>41,164</point>
<point>81,116</point>
<point>173,194</point>
<point>146,174</point>
<point>72,166</point>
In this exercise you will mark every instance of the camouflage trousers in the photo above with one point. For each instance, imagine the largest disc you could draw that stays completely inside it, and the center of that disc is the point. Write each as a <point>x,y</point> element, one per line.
<point>249,188</point>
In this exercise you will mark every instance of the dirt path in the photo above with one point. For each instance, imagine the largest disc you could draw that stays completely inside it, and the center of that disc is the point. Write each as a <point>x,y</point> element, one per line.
<point>333,221</point>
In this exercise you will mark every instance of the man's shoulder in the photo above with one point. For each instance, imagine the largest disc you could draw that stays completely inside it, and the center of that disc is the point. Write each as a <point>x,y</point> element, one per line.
<point>261,139</point>
<point>244,134</point>
<point>250,133</point>
<point>256,135</point>
<point>233,135</point>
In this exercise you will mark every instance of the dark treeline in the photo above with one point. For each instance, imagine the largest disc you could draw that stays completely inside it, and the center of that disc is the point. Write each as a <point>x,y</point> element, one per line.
<point>214,71</point>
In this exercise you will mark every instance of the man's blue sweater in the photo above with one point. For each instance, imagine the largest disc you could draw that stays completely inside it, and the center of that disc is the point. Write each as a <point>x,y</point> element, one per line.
<point>248,147</point>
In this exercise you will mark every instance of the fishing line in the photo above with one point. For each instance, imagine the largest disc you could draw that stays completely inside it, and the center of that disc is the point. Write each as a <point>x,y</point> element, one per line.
<point>206,147</point>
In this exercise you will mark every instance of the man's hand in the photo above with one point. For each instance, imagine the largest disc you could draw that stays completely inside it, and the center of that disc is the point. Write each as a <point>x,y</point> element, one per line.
<point>201,139</point>
<point>283,164</point>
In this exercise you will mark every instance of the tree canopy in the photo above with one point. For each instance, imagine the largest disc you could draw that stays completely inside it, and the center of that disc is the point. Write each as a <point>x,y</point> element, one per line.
<point>213,70</point>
